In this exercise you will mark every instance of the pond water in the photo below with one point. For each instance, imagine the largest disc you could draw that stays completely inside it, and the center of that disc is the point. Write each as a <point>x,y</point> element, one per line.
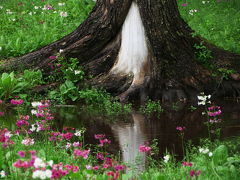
<point>128,132</point>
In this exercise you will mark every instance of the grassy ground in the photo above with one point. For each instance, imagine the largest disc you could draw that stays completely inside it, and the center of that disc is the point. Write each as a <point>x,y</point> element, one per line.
<point>216,20</point>
<point>27,25</point>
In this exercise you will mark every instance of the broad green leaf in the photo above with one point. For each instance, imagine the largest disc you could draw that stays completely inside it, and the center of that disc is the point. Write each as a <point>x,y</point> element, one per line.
<point>220,155</point>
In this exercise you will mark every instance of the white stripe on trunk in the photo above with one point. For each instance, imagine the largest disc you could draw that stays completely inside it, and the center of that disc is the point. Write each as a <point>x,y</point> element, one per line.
<point>133,54</point>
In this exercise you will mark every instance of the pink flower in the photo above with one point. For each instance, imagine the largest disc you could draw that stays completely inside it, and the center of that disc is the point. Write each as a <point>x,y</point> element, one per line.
<point>108,163</point>
<point>48,7</point>
<point>96,168</point>
<point>194,173</point>
<point>25,117</point>
<point>100,156</point>
<point>119,167</point>
<point>67,135</point>
<point>184,4</point>
<point>72,168</point>
<point>187,164</point>
<point>52,57</point>
<point>99,136</point>
<point>83,154</point>
<point>28,142</point>
<point>104,141</point>
<point>89,167</point>
<point>16,101</point>
<point>76,144</point>
<point>179,128</point>
<point>144,148</point>
<point>21,123</point>
<point>113,174</point>
<point>1,113</point>
<point>21,153</point>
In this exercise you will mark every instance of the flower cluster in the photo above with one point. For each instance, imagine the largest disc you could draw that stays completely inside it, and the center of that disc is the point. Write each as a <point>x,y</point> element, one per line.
<point>5,136</point>
<point>203,99</point>
<point>42,169</point>
<point>213,112</point>
<point>81,153</point>
<point>192,11</point>
<point>205,151</point>
<point>144,148</point>
<point>193,173</point>
<point>166,158</point>
<point>189,164</point>
<point>16,101</point>
<point>205,2</point>
<point>103,141</point>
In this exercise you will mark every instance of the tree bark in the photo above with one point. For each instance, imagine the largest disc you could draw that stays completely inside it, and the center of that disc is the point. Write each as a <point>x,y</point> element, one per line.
<point>165,64</point>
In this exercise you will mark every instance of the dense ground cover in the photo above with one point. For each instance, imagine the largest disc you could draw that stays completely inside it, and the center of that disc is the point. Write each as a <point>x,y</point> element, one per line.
<point>33,147</point>
<point>216,20</point>
<point>27,25</point>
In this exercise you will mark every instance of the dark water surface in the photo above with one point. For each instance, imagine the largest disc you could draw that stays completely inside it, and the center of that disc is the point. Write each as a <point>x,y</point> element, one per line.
<point>128,132</point>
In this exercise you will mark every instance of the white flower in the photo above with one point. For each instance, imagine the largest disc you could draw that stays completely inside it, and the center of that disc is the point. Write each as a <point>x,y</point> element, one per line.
<point>2,174</point>
<point>203,99</point>
<point>61,4</point>
<point>166,158</point>
<point>205,151</point>
<point>39,163</point>
<point>0,48</point>
<point>9,12</point>
<point>88,167</point>
<point>36,7</point>
<point>60,50</point>
<point>210,154</point>
<point>50,163</point>
<point>38,129</point>
<point>30,13</point>
<point>33,128</point>
<point>36,104</point>
<point>1,7</point>
<point>201,103</point>
<point>78,133</point>
<point>13,19</point>
<point>41,174</point>
<point>33,111</point>
<point>63,14</point>
<point>8,134</point>
<point>201,150</point>
<point>68,145</point>
<point>48,173</point>
<point>77,72</point>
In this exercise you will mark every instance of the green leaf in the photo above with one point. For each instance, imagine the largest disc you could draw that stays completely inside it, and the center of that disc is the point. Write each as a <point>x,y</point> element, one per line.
<point>220,155</point>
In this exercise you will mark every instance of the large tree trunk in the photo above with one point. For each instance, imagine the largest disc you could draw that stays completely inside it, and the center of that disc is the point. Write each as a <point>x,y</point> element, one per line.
<point>139,48</point>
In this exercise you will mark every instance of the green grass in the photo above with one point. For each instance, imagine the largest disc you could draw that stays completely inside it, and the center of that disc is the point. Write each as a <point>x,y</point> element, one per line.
<point>26,27</point>
<point>217,21</point>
